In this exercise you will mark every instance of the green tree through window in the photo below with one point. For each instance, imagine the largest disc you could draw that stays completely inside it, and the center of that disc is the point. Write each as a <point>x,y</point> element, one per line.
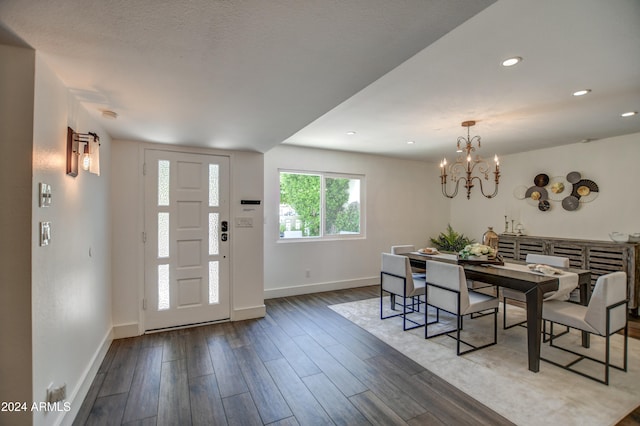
<point>302,193</point>
<point>302,201</point>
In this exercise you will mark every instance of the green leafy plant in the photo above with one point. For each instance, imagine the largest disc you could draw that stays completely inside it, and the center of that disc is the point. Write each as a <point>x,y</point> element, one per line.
<point>451,240</point>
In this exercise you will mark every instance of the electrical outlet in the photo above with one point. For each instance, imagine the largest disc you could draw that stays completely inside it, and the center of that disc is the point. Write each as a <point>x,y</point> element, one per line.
<point>56,394</point>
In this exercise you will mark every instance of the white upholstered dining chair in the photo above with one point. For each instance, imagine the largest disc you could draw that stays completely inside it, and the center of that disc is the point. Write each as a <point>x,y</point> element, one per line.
<point>404,249</point>
<point>447,290</point>
<point>507,293</point>
<point>605,315</point>
<point>396,279</point>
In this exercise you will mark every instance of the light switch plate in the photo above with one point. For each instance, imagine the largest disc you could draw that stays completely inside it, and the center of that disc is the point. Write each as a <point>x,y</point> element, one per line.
<point>45,233</point>
<point>45,194</point>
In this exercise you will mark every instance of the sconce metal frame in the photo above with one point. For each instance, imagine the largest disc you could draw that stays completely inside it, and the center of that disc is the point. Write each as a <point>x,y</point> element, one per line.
<point>74,140</point>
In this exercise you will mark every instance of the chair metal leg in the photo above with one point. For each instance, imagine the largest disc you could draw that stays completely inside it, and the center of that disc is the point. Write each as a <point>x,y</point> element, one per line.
<point>409,305</point>
<point>626,348</point>
<point>413,310</point>
<point>458,329</point>
<point>607,362</point>
<point>475,348</point>
<point>545,339</point>
<point>504,317</point>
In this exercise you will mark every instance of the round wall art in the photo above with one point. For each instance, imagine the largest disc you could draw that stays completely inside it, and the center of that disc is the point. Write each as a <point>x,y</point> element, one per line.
<point>570,191</point>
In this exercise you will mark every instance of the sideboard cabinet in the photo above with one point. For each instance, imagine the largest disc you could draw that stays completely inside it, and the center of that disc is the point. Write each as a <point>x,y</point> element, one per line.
<point>600,257</point>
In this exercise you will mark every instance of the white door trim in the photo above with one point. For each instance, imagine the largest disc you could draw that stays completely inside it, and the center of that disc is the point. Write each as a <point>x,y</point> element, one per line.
<point>140,279</point>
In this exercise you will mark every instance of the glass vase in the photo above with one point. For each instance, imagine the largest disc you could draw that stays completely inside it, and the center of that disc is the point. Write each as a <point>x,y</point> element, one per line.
<point>490,238</point>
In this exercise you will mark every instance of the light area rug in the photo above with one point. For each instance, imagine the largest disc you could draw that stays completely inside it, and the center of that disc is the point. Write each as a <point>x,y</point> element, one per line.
<point>498,376</point>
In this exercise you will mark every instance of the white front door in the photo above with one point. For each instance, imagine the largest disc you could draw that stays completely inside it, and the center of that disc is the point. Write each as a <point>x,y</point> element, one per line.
<point>187,235</point>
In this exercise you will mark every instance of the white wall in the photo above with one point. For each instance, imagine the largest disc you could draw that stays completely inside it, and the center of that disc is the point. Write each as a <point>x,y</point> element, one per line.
<point>71,278</point>
<point>126,250</point>
<point>400,209</point>
<point>612,163</point>
<point>16,139</point>
<point>127,215</point>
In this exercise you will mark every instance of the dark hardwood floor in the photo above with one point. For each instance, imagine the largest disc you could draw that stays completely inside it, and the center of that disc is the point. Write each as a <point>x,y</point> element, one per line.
<point>301,364</point>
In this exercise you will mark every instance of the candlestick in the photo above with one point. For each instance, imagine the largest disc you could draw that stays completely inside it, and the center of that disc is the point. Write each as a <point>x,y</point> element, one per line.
<point>506,224</point>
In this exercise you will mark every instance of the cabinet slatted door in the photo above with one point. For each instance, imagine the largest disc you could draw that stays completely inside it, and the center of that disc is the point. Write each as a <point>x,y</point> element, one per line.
<point>604,260</point>
<point>600,257</point>
<point>576,254</point>
<point>526,247</point>
<point>507,249</point>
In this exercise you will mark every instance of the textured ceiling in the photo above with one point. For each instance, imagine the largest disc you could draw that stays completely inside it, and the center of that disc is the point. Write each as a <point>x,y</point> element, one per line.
<point>251,74</point>
<point>226,74</point>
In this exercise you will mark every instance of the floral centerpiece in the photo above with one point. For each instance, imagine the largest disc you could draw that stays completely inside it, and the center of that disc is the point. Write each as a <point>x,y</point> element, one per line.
<point>477,251</point>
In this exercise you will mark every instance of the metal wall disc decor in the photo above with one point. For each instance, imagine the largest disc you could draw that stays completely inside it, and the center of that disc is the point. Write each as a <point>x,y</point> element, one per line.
<point>574,177</point>
<point>585,190</point>
<point>559,187</point>
<point>541,180</point>
<point>571,190</point>
<point>544,205</point>
<point>535,194</point>
<point>570,203</point>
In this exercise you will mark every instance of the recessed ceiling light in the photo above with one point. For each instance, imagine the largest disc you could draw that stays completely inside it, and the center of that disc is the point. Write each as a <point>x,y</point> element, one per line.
<point>511,61</point>
<point>411,142</point>
<point>581,92</point>
<point>351,133</point>
<point>629,114</point>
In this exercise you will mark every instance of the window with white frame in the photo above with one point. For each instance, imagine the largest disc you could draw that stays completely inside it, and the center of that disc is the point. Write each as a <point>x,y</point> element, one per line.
<point>317,205</point>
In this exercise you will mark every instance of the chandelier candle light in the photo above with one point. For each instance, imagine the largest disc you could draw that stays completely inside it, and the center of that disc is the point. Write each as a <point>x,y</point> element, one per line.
<point>463,168</point>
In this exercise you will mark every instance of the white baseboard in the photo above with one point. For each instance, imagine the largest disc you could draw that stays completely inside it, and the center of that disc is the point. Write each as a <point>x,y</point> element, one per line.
<point>319,287</point>
<point>248,313</point>
<point>132,329</point>
<point>80,391</point>
<point>126,330</point>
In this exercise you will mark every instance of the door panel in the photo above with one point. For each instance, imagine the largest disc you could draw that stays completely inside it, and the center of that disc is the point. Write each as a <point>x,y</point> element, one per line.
<point>186,255</point>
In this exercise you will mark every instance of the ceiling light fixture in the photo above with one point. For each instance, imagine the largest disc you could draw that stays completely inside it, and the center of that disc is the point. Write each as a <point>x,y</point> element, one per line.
<point>509,62</point>
<point>464,167</point>
<point>351,133</point>
<point>629,114</point>
<point>410,142</point>
<point>112,115</point>
<point>581,92</point>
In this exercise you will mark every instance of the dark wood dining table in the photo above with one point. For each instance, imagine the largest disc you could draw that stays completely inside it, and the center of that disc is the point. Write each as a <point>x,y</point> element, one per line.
<point>534,286</point>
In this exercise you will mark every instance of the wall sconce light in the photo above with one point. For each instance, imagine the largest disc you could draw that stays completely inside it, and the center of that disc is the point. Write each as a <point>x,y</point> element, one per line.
<point>74,141</point>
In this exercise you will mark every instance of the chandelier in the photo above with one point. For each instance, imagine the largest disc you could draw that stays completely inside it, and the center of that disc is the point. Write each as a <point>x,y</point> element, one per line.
<point>465,166</point>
